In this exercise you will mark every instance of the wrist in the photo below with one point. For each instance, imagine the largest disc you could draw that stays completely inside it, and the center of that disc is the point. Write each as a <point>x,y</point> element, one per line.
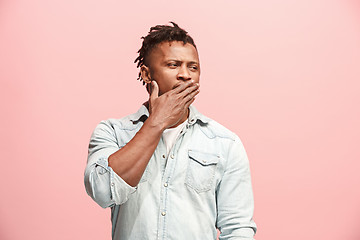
<point>155,125</point>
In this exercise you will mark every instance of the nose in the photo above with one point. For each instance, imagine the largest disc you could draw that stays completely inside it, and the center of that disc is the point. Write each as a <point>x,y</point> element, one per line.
<point>183,74</point>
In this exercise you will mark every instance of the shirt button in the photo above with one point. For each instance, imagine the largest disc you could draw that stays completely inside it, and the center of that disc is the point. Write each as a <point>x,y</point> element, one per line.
<point>172,156</point>
<point>163,156</point>
<point>163,213</point>
<point>165,184</point>
<point>204,161</point>
<point>112,184</point>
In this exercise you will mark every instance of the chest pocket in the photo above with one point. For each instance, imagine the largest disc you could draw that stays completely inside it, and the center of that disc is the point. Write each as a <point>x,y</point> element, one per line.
<point>201,170</point>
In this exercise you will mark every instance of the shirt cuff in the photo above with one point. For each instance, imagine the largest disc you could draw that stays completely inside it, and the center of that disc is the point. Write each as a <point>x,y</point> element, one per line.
<point>120,190</point>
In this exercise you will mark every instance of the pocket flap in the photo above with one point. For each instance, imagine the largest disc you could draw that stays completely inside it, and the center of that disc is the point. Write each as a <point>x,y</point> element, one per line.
<point>204,158</point>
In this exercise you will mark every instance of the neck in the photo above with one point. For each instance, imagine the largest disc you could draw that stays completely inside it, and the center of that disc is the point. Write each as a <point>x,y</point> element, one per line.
<point>183,119</point>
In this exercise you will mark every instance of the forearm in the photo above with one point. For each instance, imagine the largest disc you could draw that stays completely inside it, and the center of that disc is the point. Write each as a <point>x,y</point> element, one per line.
<point>130,161</point>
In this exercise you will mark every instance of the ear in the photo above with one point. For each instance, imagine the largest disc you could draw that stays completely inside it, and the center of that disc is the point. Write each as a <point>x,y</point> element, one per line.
<point>145,74</point>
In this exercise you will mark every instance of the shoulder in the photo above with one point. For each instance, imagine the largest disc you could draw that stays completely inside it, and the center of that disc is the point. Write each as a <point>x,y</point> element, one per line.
<point>128,123</point>
<point>216,130</point>
<point>211,128</point>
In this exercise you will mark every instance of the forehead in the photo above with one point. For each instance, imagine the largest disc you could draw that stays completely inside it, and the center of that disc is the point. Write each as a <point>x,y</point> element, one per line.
<point>174,51</point>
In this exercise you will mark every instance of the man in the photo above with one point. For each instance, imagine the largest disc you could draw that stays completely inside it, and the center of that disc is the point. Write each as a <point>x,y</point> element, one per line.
<point>167,171</point>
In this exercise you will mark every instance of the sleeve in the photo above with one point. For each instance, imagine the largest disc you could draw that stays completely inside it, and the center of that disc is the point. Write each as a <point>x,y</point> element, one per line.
<point>235,200</point>
<point>102,184</point>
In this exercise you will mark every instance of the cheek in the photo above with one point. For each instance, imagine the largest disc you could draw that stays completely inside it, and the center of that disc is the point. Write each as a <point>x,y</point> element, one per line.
<point>196,77</point>
<point>165,86</point>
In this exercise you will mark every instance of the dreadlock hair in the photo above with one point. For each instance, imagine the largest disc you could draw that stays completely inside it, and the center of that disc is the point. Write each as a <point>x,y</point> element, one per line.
<point>157,35</point>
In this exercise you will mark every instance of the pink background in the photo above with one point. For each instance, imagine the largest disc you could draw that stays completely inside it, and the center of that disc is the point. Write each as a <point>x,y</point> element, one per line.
<point>283,75</point>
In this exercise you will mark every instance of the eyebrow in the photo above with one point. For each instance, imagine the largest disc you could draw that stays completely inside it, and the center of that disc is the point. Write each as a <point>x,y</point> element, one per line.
<point>191,62</point>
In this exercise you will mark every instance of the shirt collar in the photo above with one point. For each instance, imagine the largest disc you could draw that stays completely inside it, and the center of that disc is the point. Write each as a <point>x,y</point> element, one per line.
<point>196,115</point>
<point>140,116</point>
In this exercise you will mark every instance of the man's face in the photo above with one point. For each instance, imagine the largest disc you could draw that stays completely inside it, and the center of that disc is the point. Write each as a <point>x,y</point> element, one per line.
<point>171,63</point>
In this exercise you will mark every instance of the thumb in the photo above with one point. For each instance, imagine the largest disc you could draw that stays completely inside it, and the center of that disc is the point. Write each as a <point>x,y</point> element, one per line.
<point>154,90</point>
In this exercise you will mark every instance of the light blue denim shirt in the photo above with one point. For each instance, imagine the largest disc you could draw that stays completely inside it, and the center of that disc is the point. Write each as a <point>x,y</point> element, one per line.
<point>203,184</point>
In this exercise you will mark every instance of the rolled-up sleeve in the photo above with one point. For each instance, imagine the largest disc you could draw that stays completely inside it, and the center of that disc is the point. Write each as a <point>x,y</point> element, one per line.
<point>102,184</point>
<point>235,197</point>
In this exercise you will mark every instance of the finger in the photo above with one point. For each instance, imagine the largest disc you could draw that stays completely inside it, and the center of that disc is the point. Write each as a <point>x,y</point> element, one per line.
<point>176,85</point>
<point>189,97</point>
<point>189,90</point>
<point>154,90</point>
<point>188,103</point>
<point>181,86</point>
